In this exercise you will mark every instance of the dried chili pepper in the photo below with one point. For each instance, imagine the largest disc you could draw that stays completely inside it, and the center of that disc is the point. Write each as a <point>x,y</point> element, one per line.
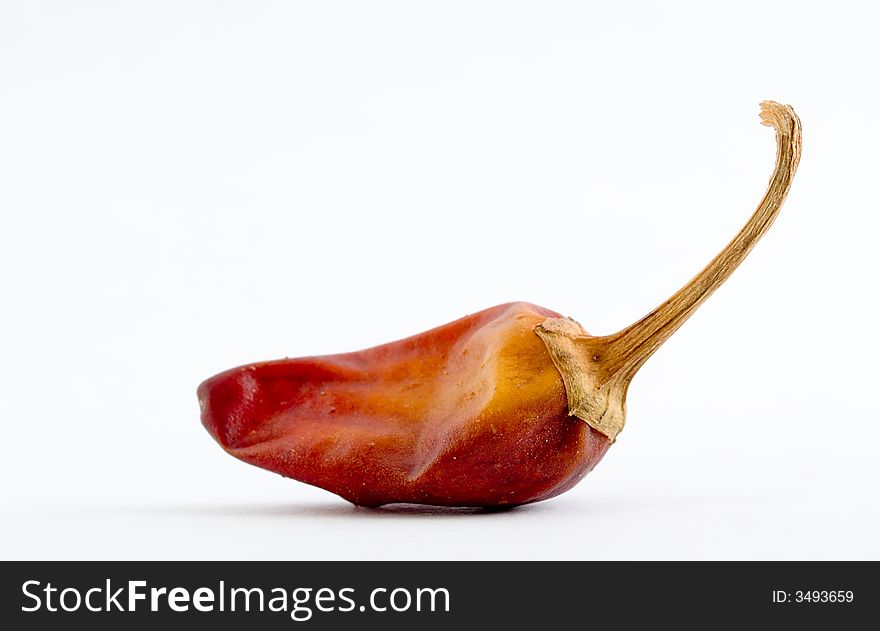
<point>510,405</point>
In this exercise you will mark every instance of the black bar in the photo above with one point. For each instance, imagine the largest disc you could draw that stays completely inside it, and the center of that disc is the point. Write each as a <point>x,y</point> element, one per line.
<point>506,594</point>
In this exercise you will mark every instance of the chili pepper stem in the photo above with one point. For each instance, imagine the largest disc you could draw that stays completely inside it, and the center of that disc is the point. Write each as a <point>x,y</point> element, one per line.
<point>596,371</point>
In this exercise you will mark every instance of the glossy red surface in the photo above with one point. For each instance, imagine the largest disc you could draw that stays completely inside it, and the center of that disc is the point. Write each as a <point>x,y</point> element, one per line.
<point>472,413</point>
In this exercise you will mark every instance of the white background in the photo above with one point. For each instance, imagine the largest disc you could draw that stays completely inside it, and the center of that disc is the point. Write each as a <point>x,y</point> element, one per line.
<point>189,186</point>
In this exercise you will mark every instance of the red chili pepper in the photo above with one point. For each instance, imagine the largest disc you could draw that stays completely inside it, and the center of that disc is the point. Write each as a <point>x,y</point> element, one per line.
<point>510,405</point>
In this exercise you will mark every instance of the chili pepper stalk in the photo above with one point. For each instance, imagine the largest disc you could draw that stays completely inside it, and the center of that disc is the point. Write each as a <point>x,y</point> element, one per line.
<point>597,370</point>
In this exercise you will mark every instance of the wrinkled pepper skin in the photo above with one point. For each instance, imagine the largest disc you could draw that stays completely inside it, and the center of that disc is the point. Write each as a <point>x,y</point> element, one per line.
<point>472,413</point>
